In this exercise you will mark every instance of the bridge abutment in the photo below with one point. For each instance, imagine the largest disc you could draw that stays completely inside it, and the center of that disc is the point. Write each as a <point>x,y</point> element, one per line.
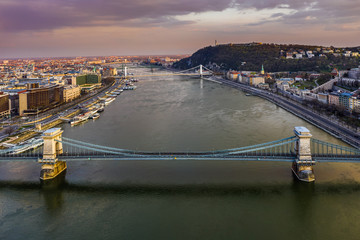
<point>50,165</point>
<point>303,165</point>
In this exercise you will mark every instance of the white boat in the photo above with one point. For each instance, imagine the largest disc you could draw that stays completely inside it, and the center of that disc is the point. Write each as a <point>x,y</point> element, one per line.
<point>80,118</point>
<point>129,87</point>
<point>109,100</point>
<point>118,92</point>
<point>101,109</point>
<point>95,116</point>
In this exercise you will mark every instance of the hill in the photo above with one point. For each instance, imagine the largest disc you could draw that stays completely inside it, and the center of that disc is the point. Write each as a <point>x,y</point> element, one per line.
<point>274,57</point>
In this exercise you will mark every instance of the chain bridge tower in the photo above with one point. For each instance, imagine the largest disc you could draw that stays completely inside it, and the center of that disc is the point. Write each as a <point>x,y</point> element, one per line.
<point>50,165</point>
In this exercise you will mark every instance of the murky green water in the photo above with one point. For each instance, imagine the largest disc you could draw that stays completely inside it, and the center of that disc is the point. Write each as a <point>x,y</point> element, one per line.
<point>182,200</point>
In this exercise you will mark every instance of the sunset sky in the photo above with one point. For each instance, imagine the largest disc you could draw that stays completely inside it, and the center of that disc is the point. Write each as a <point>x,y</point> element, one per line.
<point>32,28</point>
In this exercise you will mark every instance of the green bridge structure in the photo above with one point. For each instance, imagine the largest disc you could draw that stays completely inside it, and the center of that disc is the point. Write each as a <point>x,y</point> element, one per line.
<point>301,150</point>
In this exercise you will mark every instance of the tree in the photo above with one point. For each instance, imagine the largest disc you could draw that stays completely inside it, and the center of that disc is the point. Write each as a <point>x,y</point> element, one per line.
<point>323,78</point>
<point>108,80</point>
<point>9,130</point>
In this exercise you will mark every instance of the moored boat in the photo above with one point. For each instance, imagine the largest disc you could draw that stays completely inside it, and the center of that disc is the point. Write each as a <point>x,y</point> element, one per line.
<point>95,116</point>
<point>129,87</point>
<point>81,118</point>
<point>101,108</point>
<point>109,100</point>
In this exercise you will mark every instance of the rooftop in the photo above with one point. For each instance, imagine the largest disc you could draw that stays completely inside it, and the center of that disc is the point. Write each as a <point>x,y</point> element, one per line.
<point>301,131</point>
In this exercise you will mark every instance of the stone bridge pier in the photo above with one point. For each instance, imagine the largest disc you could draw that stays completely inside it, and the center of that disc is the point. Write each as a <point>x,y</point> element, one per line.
<point>303,164</point>
<point>50,165</point>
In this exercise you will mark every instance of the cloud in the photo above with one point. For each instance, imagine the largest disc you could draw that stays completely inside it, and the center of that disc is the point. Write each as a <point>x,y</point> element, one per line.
<point>330,14</point>
<point>271,4</point>
<point>40,15</point>
<point>20,15</point>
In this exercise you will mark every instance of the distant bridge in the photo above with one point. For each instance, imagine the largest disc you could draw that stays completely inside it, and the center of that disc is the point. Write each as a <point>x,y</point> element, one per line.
<point>301,149</point>
<point>197,71</point>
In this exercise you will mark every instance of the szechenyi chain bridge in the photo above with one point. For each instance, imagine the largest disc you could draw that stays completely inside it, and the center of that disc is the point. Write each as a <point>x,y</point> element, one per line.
<point>300,149</point>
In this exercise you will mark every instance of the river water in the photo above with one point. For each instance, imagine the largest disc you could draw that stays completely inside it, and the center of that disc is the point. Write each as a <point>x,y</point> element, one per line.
<point>187,199</point>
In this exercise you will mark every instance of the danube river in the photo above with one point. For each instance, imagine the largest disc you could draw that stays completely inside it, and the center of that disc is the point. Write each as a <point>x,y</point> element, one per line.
<point>182,199</point>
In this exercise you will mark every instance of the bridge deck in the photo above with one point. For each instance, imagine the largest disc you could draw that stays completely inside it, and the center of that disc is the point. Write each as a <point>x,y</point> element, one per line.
<point>188,157</point>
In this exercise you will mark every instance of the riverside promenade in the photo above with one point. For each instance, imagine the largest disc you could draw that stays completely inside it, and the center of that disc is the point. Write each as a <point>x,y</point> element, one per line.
<point>350,136</point>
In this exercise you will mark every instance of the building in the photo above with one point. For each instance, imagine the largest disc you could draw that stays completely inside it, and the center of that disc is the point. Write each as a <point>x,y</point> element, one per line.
<point>354,73</point>
<point>4,105</point>
<point>333,99</point>
<point>71,92</point>
<point>14,103</point>
<point>298,56</point>
<point>335,72</point>
<point>251,79</point>
<point>323,98</point>
<point>289,55</point>
<point>34,99</point>
<point>233,75</point>
<point>288,80</point>
<point>256,80</point>
<point>344,100</point>
<point>284,86</point>
<point>354,104</point>
<point>264,86</point>
<point>299,78</point>
<point>110,71</point>
<point>310,54</point>
<point>88,79</point>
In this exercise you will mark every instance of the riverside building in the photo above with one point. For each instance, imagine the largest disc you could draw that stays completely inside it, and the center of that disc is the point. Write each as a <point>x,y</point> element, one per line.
<point>34,99</point>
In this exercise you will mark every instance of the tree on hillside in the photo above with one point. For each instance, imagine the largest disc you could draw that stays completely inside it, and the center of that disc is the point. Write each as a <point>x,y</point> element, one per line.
<point>323,78</point>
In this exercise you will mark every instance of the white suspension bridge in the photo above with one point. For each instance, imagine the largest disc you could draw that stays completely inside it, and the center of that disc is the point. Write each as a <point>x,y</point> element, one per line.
<point>198,71</point>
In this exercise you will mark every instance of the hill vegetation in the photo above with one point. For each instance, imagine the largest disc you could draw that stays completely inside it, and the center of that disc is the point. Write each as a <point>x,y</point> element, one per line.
<point>274,57</point>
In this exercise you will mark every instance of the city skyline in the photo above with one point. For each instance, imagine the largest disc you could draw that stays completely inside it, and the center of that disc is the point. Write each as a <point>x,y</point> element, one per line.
<point>57,28</point>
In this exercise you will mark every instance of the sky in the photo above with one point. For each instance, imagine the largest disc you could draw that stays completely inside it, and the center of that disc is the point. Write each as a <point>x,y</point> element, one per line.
<point>54,28</point>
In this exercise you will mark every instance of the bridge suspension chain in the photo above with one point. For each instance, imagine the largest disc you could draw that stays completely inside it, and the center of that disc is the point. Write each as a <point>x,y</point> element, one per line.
<point>92,149</point>
<point>98,146</point>
<point>186,70</point>
<point>263,148</point>
<point>253,146</point>
<point>227,152</point>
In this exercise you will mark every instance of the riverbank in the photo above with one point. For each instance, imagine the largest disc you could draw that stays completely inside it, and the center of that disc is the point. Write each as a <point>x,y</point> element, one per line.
<point>348,136</point>
<point>53,117</point>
